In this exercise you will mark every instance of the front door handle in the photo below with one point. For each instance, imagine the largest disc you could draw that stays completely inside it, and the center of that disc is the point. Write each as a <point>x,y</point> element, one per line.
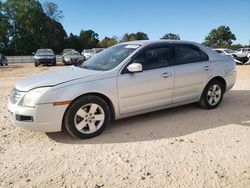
<point>207,68</point>
<point>166,75</point>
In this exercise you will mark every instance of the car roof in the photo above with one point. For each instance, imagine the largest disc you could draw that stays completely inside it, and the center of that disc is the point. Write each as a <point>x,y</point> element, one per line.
<point>163,41</point>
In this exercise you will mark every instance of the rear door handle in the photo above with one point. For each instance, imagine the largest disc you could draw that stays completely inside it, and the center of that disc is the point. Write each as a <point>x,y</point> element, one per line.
<point>207,68</point>
<point>166,75</point>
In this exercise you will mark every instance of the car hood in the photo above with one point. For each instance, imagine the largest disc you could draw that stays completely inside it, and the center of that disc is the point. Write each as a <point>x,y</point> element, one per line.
<point>53,78</point>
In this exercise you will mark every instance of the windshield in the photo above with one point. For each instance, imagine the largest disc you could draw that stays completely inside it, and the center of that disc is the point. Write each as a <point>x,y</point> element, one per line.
<point>72,53</point>
<point>45,51</point>
<point>67,50</point>
<point>109,58</point>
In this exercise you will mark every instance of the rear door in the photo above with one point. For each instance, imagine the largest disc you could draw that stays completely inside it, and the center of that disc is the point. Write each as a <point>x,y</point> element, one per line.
<point>192,70</point>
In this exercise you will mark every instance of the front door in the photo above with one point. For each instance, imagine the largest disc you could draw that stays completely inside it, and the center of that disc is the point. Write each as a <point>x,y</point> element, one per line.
<point>151,88</point>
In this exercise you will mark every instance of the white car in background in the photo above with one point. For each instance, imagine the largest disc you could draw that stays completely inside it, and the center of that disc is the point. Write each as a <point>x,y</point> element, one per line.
<point>87,53</point>
<point>124,80</point>
<point>242,55</point>
<point>242,52</point>
<point>226,51</point>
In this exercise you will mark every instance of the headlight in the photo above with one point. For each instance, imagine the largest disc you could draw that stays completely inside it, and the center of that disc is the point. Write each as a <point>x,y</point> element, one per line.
<point>67,59</point>
<point>31,98</point>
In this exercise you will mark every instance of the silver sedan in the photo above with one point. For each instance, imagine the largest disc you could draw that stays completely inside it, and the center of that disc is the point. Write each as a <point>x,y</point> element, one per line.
<point>124,80</point>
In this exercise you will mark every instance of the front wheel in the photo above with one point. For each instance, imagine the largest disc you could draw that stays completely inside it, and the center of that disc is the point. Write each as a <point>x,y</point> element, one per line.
<point>212,95</point>
<point>87,117</point>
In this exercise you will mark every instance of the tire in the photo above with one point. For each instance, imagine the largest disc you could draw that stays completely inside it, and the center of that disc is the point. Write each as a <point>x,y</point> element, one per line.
<point>36,64</point>
<point>212,95</point>
<point>80,117</point>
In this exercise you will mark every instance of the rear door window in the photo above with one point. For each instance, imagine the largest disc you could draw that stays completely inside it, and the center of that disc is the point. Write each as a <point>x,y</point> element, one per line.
<point>185,54</point>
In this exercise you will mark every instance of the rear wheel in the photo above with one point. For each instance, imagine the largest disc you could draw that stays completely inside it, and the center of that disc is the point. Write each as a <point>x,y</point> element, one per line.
<point>212,95</point>
<point>87,117</point>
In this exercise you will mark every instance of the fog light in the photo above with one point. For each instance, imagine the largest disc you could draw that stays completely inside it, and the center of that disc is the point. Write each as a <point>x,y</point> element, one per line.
<point>24,118</point>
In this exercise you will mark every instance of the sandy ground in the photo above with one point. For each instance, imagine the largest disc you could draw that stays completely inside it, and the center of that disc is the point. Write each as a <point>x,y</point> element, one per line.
<point>181,147</point>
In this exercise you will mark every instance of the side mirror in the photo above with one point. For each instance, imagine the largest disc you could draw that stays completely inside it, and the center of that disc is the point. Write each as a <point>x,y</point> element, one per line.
<point>135,67</point>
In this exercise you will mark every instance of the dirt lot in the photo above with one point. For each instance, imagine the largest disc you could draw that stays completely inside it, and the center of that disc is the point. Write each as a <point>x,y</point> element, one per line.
<point>181,147</point>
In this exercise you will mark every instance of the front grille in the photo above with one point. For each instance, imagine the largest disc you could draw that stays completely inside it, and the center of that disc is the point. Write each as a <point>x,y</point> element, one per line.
<point>15,96</point>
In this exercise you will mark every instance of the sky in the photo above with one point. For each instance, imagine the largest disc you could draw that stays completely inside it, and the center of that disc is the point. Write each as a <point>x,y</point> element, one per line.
<point>191,19</point>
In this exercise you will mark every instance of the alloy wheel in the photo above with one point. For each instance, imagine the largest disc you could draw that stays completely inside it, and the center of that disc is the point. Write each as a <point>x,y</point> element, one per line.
<point>214,94</point>
<point>89,118</point>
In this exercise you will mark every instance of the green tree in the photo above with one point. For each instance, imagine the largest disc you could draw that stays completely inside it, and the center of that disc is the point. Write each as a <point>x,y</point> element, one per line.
<point>88,39</point>
<point>134,36</point>
<point>51,10</point>
<point>54,36</point>
<point>107,42</point>
<point>25,17</point>
<point>73,42</point>
<point>171,36</point>
<point>220,37</point>
<point>4,27</point>
<point>30,28</point>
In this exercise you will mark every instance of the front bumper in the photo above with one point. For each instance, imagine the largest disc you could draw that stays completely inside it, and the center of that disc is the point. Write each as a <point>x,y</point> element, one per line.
<point>42,118</point>
<point>45,61</point>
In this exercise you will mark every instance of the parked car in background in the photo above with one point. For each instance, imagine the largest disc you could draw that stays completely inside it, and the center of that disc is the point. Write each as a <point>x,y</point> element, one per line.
<point>241,54</point>
<point>87,53</point>
<point>72,57</point>
<point>3,60</point>
<point>124,80</point>
<point>225,51</point>
<point>67,50</point>
<point>44,56</point>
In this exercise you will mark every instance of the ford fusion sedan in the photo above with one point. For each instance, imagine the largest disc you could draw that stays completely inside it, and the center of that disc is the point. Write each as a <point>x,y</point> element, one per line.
<point>44,56</point>
<point>72,57</point>
<point>124,80</point>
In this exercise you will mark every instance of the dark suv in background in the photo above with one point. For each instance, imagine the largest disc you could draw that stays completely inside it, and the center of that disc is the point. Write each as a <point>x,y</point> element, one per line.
<point>3,60</point>
<point>44,56</point>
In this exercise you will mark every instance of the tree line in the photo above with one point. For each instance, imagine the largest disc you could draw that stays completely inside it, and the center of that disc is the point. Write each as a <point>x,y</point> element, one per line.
<point>27,25</point>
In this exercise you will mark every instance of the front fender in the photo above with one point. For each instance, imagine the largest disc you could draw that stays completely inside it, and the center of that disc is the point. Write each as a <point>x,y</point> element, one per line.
<point>106,87</point>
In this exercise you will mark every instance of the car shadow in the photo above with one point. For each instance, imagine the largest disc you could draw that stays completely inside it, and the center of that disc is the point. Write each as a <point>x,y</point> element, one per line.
<point>171,123</point>
<point>58,64</point>
<point>10,66</point>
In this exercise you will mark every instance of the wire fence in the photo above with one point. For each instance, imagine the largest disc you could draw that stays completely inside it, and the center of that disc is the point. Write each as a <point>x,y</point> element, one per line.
<point>27,59</point>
